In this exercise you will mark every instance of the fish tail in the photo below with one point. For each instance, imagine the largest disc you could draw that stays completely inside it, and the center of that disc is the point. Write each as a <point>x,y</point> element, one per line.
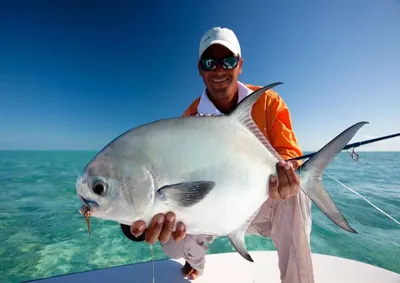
<point>311,176</point>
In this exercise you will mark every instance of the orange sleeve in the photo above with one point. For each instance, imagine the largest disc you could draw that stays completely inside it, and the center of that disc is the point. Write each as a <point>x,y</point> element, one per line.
<point>280,129</point>
<point>191,110</point>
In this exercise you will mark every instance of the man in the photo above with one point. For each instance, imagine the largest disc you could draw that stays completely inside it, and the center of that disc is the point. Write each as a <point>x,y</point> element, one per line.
<point>285,217</point>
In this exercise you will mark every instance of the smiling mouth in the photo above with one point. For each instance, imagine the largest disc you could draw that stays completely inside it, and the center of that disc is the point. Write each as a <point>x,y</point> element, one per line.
<point>220,80</point>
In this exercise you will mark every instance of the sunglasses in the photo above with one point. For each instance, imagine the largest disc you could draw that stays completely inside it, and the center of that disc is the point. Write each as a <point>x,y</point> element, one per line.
<point>228,63</point>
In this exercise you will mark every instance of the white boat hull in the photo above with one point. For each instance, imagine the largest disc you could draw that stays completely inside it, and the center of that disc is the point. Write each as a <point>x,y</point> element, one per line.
<point>232,268</point>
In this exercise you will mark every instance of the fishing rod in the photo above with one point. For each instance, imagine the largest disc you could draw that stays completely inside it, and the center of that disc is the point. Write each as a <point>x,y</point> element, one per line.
<point>352,146</point>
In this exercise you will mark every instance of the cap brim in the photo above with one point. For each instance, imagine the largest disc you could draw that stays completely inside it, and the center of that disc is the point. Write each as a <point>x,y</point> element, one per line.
<point>226,44</point>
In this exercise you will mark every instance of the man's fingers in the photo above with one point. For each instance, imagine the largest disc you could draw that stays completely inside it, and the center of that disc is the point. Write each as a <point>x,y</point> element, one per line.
<point>179,233</point>
<point>189,271</point>
<point>193,275</point>
<point>154,230</point>
<point>137,228</point>
<point>166,231</point>
<point>292,177</point>
<point>273,187</point>
<point>294,180</point>
<point>295,164</point>
<point>284,185</point>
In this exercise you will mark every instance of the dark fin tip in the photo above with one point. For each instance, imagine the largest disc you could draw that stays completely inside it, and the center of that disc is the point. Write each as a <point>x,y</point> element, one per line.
<point>249,258</point>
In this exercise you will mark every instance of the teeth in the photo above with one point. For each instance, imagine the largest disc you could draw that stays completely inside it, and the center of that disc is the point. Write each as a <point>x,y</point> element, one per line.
<point>219,80</point>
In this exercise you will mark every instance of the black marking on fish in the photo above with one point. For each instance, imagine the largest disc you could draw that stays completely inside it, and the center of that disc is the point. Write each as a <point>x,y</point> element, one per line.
<point>185,194</point>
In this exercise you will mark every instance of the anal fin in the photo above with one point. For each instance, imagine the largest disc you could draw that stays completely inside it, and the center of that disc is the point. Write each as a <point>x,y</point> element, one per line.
<point>237,239</point>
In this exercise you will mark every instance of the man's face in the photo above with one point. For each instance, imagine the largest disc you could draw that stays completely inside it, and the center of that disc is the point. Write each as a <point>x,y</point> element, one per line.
<point>220,82</point>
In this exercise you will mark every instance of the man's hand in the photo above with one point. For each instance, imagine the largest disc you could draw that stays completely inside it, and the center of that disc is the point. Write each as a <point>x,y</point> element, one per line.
<point>160,228</point>
<point>189,272</point>
<point>287,183</point>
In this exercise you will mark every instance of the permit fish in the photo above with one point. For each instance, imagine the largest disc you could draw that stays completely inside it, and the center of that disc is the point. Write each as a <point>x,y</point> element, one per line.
<point>211,171</point>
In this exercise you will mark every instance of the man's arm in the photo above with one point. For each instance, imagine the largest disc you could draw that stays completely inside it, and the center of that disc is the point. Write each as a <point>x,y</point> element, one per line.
<point>280,129</point>
<point>282,138</point>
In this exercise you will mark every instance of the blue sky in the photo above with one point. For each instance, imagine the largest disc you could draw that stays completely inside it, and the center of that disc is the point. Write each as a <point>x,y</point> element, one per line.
<point>75,74</point>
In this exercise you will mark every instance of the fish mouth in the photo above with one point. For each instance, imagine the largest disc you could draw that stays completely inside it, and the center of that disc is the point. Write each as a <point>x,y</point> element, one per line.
<point>87,209</point>
<point>91,203</point>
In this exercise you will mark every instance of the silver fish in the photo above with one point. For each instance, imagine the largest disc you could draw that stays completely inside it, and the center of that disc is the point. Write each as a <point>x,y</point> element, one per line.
<point>211,171</point>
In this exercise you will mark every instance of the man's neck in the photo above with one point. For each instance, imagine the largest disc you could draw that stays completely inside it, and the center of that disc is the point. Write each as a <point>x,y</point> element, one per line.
<point>227,104</point>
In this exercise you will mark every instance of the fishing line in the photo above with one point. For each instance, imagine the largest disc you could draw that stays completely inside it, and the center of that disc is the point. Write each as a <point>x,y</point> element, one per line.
<point>152,259</point>
<point>377,208</point>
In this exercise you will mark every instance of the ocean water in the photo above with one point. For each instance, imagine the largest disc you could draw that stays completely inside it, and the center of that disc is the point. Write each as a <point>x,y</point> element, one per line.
<point>42,234</point>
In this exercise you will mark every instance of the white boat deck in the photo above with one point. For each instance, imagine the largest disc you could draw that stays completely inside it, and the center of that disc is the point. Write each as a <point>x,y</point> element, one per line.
<point>232,268</point>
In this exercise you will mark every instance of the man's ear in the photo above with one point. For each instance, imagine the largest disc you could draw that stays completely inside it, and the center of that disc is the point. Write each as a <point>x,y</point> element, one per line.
<point>240,65</point>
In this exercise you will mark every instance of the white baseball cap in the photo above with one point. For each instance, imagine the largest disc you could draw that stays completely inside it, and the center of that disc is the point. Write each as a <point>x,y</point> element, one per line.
<point>222,36</point>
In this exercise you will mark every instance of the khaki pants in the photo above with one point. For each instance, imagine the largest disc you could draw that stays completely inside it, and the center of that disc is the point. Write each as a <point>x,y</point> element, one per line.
<point>286,222</point>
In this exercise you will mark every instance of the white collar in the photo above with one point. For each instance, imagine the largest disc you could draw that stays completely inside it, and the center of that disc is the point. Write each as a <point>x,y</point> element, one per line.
<point>206,107</point>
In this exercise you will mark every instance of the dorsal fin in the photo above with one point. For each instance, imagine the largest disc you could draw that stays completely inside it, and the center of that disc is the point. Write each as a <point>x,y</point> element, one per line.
<point>242,113</point>
<point>243,109</point>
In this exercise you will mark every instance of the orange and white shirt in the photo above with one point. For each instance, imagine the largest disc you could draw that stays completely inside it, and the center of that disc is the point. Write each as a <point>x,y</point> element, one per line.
<point>270,113</point>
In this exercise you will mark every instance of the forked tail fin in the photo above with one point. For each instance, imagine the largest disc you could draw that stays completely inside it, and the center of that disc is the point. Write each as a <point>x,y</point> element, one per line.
<point>311,176</point>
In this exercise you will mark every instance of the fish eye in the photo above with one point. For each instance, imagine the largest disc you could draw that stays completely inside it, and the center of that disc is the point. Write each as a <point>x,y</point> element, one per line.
<point>99,188</point>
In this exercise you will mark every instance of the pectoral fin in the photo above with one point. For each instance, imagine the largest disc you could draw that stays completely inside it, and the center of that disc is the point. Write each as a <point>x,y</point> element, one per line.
<point>185,194</point>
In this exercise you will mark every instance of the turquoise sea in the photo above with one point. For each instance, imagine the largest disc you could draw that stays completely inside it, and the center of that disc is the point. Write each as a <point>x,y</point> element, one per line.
<point>42,234</point>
